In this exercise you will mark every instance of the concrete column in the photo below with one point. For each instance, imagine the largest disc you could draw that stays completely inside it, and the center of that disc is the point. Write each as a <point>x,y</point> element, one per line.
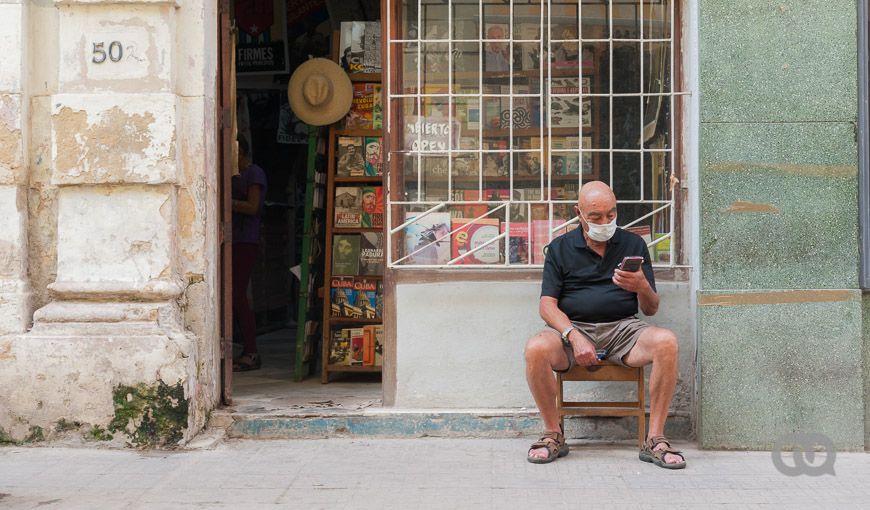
<point>114,349</point>
<point>780,308</point>
<point>14,286</point>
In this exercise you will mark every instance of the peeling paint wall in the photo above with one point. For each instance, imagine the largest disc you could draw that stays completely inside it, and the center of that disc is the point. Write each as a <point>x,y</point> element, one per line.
<point>107,251</point>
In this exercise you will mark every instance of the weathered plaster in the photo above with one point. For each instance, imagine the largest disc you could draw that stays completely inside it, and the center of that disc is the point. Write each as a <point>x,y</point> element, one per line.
<point>114,139</point>
<point>11,144</point>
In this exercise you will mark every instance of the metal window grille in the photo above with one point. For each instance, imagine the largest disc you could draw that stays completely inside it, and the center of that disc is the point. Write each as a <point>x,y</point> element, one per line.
<point>485,141</point>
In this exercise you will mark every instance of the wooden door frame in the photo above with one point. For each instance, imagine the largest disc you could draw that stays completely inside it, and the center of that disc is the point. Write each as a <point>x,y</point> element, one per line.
<point>226,125</point>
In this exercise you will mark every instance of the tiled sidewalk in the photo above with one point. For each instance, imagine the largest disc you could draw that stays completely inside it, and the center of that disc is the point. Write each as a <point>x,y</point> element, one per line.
<point>412,474</point>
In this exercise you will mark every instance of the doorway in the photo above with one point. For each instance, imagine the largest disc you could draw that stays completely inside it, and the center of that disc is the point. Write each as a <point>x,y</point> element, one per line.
<point>262,43</point>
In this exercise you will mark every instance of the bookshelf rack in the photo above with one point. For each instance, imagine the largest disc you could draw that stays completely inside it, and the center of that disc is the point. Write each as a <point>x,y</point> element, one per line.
<point>332,323</point>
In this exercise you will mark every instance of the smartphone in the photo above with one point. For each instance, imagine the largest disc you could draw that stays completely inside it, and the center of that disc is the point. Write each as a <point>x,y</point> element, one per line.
<point>630,264</point>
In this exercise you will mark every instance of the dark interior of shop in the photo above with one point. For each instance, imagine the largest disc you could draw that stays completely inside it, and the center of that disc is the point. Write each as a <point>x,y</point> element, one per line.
<point>267,52</point>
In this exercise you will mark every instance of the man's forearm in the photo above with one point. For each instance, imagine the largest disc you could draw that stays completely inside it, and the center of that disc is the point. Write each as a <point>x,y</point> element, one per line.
<point>553,316</point>
<point>648,300</point>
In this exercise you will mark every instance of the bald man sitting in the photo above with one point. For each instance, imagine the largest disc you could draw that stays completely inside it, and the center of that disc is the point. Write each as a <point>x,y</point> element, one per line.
<point>591,305</point>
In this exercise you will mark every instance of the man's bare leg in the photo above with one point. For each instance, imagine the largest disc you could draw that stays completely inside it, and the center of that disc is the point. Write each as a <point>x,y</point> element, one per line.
<point>544,353</point>
<point>658,346</point>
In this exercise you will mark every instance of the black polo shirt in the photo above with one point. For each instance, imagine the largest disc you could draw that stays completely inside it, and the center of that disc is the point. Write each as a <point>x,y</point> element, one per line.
<point>583,282</point>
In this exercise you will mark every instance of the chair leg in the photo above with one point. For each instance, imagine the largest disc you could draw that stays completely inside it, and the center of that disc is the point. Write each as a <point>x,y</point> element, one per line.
<point>641,417</point>
<point>560,399</point>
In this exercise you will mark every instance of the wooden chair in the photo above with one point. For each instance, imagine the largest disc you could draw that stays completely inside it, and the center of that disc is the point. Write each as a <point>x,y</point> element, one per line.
<point>605,371</point>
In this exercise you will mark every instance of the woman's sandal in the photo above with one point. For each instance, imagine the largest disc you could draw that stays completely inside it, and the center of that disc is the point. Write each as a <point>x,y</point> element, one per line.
<point>247,361</point>
<point>555,444</point>
<point>649,454</point>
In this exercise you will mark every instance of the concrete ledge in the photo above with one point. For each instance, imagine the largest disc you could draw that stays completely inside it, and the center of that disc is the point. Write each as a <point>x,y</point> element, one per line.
<point>410,423</point>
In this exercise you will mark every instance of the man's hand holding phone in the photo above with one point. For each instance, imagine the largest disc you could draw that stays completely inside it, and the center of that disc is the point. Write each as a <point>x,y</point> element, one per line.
<point>584,349</point>
<point>628,275</point>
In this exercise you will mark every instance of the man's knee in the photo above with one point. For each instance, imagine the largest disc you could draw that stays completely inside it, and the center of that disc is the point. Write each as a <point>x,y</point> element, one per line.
<point>537,347</point>
<point>666,343</point>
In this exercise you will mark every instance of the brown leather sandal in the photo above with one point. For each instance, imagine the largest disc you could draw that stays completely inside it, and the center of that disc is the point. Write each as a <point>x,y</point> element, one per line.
<point>555,444</point>
<point>649,454</point>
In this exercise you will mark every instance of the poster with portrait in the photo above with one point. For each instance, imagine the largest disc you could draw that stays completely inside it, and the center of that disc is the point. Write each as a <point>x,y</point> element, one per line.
<point>262,37</point>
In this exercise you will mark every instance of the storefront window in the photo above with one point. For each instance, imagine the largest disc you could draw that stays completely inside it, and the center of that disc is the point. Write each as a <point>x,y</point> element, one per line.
<point>499,110</point>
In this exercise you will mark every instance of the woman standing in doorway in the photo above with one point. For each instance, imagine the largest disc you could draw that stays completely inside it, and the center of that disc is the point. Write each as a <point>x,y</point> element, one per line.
<point>249,193</point>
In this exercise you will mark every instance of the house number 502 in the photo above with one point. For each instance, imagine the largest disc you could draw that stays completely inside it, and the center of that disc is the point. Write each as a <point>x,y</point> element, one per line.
<point>114,53</point>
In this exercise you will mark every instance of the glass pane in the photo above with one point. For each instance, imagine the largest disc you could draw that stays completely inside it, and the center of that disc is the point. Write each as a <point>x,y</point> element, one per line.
<point>434,186</point>
<point>466,21</point>
<point>626,20</point>
<point>466,68</point>
<point>410,179</point>
<point>657,19</point>
<point>434,68</point>
<point>527,21</point>
<point>407,28</point>
<point>596,66</point>
<point>599,114</point>
<point>528,169</point>
<point>405,109</point>
<point>626,123</point>
<point>527,59</point>
<point>496,116</point>
<point>565,58</point>
<point>434,127</point>
<point>594,20</point>
<point>435,16</point>
<point>626,175</point>
<point>656,72</point>
<point>407,62</point>
<point>626,68</point>
<point>467,120</point>
<point>466,174</point>
<point>657,122</point>
<point>496,20</point>
<point>563,22</point>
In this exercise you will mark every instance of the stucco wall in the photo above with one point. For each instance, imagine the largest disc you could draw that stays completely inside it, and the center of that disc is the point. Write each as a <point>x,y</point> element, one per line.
<point>460,345</point>
<point>111,222</point>
<point>779,222</point>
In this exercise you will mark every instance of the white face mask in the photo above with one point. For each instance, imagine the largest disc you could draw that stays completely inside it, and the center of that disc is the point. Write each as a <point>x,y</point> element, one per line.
<point>601,233</point>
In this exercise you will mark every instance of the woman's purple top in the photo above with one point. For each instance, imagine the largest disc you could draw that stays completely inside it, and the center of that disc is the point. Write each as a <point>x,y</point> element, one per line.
<point>246,228</point>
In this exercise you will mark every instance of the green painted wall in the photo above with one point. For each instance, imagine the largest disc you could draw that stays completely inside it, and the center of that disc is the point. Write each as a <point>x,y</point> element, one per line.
<point>779,211</point>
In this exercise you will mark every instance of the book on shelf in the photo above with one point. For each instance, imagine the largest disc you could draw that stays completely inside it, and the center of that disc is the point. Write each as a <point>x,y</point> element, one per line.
<point>366,111</point>
<point>379,344</point>
<point>428,238</point>
<point>351,162</point>
<point>495,164</point>
<point>342,297</point>
<point>468,236</point>
<point>371,253</point>
<point>356,346</point>
<point>368,347</point>
<point>372,207</point>
<point>518,242</point>
<point>345,254</point>
<point>339,348</point>
<point>366,297</point>
<point>380,297</point>
<point>360,46</point>
<point>348,210</point>
<point>374,158</point>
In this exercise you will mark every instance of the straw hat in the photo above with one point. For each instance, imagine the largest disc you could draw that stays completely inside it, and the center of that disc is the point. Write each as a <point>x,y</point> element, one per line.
<point>320,92</point>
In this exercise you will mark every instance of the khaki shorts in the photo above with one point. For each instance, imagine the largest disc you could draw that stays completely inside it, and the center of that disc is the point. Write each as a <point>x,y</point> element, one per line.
<point>617,337</point>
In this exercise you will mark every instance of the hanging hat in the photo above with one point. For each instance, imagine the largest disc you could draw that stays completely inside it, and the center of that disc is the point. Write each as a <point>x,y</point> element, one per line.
<point>320,92</point>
